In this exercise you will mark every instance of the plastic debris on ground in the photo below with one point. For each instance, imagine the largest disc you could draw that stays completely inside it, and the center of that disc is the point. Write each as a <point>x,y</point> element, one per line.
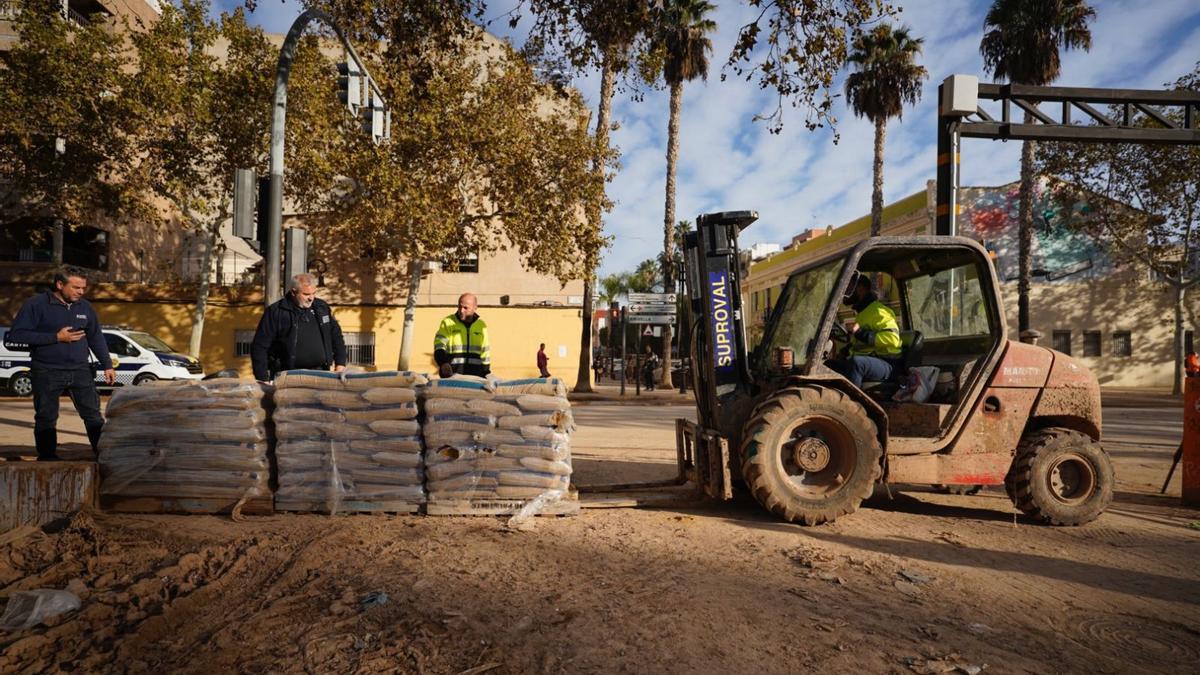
<point>26,609</point>
<point>348,438</point>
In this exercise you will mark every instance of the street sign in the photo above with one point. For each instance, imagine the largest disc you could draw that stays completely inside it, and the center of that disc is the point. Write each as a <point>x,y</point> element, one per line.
<point>650,318</point>
<point>648,331</point>
<point>651,298</point>
<point>650,309</point>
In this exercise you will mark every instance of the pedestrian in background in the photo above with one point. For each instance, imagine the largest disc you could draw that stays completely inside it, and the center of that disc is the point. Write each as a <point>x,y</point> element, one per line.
<point>543,361</point>
<point>60,328</point>
<point>649,365</point>
<point>1192,364</point>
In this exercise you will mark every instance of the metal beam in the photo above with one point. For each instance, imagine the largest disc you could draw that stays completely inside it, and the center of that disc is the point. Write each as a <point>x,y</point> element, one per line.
<point>1061,132</point>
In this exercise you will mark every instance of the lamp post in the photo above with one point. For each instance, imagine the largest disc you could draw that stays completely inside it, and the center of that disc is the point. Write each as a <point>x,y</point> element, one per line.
<point>287,53</point>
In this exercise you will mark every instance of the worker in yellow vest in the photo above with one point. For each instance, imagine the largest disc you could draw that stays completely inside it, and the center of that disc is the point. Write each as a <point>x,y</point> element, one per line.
<point>875,348</point>
<point>461,344</point>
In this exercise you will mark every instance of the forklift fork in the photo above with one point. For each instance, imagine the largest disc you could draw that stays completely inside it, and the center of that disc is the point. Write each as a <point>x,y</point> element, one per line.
<point>701,456</point>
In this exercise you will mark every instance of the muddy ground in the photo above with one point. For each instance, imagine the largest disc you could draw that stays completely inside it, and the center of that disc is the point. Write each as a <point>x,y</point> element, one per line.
<point>914,582</point>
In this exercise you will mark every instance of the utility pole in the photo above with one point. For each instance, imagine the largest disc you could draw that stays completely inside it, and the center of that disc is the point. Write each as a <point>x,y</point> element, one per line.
<point>287,53</point>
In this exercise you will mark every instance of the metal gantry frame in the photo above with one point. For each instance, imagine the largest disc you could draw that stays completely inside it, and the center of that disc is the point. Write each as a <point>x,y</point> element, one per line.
<point>1074,114</point>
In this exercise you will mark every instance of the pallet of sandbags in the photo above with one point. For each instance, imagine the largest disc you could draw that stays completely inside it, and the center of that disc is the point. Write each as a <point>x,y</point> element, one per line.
<point>348,443</point>
<point>187,447</point>
<point>498,447</point>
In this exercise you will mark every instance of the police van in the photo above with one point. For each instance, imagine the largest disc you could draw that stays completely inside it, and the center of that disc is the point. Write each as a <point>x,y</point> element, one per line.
<point>137,357</point>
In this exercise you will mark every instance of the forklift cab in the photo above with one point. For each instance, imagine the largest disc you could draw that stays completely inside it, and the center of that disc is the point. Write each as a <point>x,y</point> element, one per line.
<point>945,296</point>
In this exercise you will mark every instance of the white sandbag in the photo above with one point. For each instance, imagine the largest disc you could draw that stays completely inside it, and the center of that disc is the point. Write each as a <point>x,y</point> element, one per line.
<point>547,386</point>
<point>391,379</point>
<point>384,395</point>
<point>311,415</point>
<point>406,428</point>
<point>397,445</point>
<point>404,411</point>
<point>435,428</point>
<point>466,481</point>
<point>556,467</point>
<point>547,452</point>
<point>342,400</point>
<point>546,481</point>
<point>539,403</point>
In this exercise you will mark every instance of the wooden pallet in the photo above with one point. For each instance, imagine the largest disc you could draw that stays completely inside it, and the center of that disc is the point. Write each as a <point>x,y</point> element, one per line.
<point>569,506</point>
<point>347,506</point>
<point>254,506</point>
<point>35,493</point>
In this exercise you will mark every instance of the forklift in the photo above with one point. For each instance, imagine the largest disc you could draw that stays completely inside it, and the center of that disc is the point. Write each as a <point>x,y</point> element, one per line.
<point>810,446</point>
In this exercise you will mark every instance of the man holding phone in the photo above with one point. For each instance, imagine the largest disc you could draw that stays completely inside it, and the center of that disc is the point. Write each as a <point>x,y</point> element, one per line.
<point>60,328</point>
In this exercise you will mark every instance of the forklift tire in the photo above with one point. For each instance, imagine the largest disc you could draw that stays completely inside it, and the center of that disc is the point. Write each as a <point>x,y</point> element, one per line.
<point>1060,477</point>
<point>810,455</point>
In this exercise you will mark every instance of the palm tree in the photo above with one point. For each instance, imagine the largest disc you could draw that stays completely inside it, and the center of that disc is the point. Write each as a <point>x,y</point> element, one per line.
<point>1021,43</point>
<point>886,78</point>
<point>683,34</point>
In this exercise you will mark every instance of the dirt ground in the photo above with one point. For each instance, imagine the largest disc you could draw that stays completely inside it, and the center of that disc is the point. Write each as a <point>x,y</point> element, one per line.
<point>913,582</point>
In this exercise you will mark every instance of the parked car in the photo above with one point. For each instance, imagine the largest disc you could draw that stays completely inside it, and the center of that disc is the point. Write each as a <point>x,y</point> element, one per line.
<point>14,367</point>
<point>137,357</point>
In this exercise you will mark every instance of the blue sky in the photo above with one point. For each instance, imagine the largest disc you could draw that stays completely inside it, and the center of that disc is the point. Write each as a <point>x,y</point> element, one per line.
<point>800,179</point>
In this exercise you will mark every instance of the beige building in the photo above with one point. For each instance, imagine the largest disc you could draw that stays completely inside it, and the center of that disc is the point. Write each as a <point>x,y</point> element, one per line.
<point>1113,316</point>
<point>145,276</point>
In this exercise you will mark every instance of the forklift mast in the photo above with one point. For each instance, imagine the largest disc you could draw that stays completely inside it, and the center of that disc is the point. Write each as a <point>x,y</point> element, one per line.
<point>720,367</point>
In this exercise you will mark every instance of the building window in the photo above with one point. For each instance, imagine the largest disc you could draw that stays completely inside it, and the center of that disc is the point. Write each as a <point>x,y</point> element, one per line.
<point>768,299</point>
<point>360,349</point>
<point>1091,343</point>
<point>754,301</point>
<point>1122,343</point>
<point>32,239</point>
<point>1062,341</point>
<point>241,342</point>
<point>461,263</point>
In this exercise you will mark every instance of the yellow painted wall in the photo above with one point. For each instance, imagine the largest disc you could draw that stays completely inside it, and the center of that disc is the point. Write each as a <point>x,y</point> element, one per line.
<point>515,333</point>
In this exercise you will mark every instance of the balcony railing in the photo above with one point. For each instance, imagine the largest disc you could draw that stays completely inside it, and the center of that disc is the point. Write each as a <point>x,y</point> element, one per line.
<point>11,9</point>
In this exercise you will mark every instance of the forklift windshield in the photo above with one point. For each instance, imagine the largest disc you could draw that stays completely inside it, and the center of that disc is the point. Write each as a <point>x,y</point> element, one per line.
<point>798,315</point>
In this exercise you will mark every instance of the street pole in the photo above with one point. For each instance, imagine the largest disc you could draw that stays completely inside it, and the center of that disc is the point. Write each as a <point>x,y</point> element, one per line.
<point>623,361</point>
<point>287,53</point>
<point>637,366</point>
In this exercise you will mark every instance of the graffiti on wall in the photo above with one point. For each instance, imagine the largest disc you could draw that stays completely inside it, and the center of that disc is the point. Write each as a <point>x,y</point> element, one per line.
<point>1061,250</point>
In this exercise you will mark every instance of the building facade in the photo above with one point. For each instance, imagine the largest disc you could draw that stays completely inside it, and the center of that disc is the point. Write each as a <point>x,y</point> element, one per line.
<point>145,275</point>
<point>1113,316</point>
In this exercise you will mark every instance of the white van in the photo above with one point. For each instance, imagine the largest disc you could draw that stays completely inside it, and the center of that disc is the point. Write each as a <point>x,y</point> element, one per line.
<point>137,357</point>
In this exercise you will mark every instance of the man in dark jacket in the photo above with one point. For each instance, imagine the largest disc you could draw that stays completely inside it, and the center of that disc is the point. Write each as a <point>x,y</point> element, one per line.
<point>298,332</point>
<point>60,327</point>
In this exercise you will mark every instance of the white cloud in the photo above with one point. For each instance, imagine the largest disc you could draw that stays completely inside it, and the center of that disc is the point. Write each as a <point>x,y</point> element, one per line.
<point>800,179</point>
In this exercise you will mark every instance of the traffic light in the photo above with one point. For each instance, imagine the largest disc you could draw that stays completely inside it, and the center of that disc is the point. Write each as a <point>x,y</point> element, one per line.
<point>295,252</point>
<point>350,81</point>
<point>376,119</point>
<point>244,202</point>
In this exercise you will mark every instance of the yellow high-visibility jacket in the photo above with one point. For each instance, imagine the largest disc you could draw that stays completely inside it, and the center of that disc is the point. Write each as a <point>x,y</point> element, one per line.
<point>463,345</point>
<point>877,324</point>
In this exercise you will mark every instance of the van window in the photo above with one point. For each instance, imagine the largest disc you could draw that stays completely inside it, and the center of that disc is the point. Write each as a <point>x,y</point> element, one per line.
<point>119,346</point>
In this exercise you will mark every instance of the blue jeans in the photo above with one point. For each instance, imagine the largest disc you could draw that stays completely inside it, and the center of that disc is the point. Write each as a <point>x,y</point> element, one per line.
<point>860,367</point>
<point>48,385</point>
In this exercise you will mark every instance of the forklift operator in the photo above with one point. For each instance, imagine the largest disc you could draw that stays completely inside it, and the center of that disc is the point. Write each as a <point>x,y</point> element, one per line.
<point>874,348</point>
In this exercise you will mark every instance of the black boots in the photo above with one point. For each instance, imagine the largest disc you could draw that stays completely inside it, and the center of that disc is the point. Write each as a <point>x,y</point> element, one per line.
<point>93,433</point>
<point>46,441</point>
